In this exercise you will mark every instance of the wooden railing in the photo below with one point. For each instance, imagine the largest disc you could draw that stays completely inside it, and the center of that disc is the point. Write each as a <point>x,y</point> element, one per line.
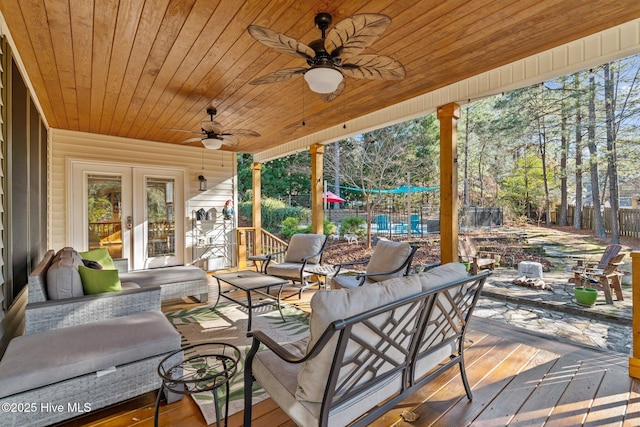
<point>251,242</point>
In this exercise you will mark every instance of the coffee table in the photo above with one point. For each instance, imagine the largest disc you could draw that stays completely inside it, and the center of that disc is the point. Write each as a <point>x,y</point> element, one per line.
<point>251,281</point>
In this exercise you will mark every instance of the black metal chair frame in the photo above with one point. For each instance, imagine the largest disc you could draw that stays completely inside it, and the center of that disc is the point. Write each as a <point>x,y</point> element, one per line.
<point>442,314</point>
<point>303,263</point>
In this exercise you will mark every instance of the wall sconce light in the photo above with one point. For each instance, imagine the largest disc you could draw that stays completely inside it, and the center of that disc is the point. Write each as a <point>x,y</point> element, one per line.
<point>202,183</point>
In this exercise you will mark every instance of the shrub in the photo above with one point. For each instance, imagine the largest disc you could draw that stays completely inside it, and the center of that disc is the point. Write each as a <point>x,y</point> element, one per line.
<point>353,225</point>
<point>274,212</point>
<point>328,228</point>
<point>289,227</point>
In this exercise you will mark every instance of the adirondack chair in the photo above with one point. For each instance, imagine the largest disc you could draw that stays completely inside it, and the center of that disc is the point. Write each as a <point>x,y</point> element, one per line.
<point>610,252</point>
<point>416,226</point>
<point>382,222</point>
<point>478,260</point>
<point>603,279</point>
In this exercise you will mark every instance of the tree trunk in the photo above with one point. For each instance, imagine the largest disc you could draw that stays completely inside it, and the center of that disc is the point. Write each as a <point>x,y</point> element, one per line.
<point>612,170</point>
<point>593,160</point>
<point>577,214</point>
<point>542,146</point>
<point>368,208</point>
<point>564,153</point>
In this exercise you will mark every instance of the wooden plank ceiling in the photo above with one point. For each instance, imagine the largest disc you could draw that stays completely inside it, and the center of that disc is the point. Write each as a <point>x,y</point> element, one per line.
<point>132,68</point>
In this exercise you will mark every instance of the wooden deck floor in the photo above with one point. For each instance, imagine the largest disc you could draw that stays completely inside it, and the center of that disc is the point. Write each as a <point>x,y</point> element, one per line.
<point>518,378</point>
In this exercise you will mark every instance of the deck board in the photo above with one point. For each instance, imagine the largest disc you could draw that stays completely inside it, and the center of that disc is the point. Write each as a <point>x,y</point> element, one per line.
<point>517,377</point>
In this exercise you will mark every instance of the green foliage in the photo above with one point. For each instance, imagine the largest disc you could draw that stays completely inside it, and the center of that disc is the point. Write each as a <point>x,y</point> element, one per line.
<point>289,227</point>
<point>523,189</point>
<point>274,212</point>
<point>353,225</point>
<point>329,227</point>
<point>279,178</point>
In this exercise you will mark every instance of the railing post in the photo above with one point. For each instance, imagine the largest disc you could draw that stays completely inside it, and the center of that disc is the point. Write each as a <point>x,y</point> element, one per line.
<point>634,360</point>
<point>242,249</point>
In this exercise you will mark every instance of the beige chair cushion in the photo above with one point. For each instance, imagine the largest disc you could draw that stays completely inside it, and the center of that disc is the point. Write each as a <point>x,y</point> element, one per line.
<point>388,256</point>
<point>302,245</point>
<point>328,306</point>
<point>442,274</point>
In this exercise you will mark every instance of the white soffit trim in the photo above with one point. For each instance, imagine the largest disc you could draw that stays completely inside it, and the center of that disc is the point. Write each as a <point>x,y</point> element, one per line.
<point>611,44</point>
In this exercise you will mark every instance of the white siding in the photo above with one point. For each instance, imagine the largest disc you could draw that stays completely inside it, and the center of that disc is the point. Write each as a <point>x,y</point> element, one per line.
<point>219,170</point>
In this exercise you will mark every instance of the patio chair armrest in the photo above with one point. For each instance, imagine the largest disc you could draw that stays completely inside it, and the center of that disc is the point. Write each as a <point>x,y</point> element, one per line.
<point>269,257</point>
<point>260,337</point>
<point>339,266</point>
<point>308,257</point>
<point>427,267</point>
<point>489,253</point>
<point>55,314</point>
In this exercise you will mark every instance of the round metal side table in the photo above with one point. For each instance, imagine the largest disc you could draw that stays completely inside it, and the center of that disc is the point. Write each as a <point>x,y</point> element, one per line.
<point>206,367</point>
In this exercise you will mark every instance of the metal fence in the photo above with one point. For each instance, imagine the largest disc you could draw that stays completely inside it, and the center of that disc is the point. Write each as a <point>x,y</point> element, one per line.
<point>421,221</point>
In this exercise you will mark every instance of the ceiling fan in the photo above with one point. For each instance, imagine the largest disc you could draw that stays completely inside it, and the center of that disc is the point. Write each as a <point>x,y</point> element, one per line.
<point>213,137</point>
<point>335,55</point>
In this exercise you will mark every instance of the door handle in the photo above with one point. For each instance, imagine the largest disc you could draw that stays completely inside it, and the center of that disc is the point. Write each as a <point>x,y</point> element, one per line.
<point>129,222</point>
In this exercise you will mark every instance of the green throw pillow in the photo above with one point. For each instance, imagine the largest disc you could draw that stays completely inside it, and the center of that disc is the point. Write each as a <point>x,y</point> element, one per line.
<point>101,256</point>
<point>99,281</point>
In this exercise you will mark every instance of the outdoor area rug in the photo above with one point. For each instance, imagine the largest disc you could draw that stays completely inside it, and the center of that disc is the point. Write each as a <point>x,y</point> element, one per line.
<point>228,323</point>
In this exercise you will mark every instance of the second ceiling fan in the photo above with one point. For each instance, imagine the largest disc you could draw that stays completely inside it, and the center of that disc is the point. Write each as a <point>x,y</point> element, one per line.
<point>335,55</point>
<point>213,137</point>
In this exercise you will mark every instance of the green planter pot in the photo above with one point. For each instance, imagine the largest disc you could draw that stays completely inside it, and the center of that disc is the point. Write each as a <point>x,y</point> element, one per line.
<point>585,296</point>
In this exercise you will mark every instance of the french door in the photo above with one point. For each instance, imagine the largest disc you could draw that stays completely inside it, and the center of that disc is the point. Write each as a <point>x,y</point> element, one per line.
<point>134,212</point>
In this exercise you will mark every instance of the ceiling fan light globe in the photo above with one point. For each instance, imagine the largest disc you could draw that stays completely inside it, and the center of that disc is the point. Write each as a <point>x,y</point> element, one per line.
<point>323,79</point>
<point>212,143</point>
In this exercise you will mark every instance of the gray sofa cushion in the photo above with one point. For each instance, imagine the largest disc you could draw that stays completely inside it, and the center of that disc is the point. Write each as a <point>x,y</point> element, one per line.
<point>63,279</point>
<point>164,275</point>
<point>43,358</point>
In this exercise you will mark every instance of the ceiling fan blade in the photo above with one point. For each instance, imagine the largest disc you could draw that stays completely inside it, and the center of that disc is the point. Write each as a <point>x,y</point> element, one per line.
<point>280,42</point>
<point>187,141</point>
<point>328,97</point>
<point>182,130</point>
<point>230,140</point>
<point>211,126</point>
<point>352,35</point>
<point>240,132</point>
<point>278,76</point>
<point>375,67</point>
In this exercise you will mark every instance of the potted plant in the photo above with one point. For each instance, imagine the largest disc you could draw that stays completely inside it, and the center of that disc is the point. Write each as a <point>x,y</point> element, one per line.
<point>585,295</point>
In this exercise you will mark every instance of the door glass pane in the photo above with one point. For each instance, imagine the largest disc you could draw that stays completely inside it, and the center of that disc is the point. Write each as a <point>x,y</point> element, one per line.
<point>104,197</point>
<point>160,217</point>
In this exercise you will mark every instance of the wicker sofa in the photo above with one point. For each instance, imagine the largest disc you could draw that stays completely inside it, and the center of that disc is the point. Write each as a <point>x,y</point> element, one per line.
<point>82,353</point>
<point>368,348</point>
<point>175,281</point>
